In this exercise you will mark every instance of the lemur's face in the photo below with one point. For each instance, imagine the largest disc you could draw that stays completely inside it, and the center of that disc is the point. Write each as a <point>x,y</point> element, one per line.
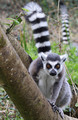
<point>53,63</point>
<point>53,67</point>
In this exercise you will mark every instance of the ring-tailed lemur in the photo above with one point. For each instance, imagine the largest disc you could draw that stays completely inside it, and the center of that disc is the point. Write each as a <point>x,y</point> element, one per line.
<point>48,69</point>
<point>65,23</point>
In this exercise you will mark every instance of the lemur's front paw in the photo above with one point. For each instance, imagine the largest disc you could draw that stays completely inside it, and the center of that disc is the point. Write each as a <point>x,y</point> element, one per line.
<point>55,108</point>
<point>60,111</point>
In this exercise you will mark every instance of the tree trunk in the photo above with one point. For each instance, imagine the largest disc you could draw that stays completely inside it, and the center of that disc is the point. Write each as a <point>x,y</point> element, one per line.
<point>20,87</point>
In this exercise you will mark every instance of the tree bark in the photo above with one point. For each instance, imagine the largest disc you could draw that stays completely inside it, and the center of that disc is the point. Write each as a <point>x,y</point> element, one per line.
<point>26,59</point>
<point>20,87</point>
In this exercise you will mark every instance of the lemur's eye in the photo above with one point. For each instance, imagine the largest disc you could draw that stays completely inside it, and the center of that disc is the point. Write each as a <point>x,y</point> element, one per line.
<point>48,66</point>
<point>57,66</point>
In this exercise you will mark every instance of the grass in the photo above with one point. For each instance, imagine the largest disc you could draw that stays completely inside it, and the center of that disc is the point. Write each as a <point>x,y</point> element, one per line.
<point>7,109</point>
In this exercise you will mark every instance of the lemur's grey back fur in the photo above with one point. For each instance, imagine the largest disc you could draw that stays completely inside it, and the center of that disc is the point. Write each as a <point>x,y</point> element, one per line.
<point>65,23</point>
<point>38,21</point>
<point>48,69</point>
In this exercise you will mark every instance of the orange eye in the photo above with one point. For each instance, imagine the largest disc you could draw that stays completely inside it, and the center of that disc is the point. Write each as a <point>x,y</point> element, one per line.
<point>57,66</point>
<point>48,66</point>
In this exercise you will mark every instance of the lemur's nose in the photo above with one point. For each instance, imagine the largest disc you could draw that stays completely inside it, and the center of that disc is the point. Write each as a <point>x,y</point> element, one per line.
<point>53,73</point>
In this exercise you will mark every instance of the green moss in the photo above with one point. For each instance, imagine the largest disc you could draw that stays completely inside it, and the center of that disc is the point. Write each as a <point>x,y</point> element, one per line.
<point>2,42</point>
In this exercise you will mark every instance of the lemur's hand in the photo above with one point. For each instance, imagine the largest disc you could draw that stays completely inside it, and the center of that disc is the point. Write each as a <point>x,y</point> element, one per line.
<point>55,108</point>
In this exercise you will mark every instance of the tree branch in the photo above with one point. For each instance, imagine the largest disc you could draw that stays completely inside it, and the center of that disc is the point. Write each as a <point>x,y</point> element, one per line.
<point>26,59</point>
<point>20,87</point>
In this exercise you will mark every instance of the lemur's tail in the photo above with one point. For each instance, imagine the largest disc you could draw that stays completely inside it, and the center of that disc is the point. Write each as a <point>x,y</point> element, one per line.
<point>65,23</point>
<point>38,21</point>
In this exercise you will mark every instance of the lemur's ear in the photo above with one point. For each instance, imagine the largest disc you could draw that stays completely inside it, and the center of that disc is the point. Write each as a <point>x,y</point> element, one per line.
<point>63,57</point>
<point>43,56</point>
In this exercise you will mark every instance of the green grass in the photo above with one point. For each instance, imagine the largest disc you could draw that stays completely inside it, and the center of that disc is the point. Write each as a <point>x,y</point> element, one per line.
<point>7,109</point>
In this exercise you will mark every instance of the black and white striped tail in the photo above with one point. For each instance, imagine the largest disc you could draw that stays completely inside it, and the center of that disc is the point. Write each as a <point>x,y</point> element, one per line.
<point>65,23</point>
<point>39,26</point>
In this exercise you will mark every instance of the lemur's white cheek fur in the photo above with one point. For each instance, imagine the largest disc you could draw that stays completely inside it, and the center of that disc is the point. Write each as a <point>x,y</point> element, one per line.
<point>60,70</point>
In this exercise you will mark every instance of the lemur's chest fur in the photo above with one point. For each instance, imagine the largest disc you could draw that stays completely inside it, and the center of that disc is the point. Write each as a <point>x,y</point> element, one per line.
<point>45,83</point>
